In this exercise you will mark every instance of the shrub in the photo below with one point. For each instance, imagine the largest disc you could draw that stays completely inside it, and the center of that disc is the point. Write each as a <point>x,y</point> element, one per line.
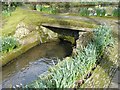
<point>8,44</point>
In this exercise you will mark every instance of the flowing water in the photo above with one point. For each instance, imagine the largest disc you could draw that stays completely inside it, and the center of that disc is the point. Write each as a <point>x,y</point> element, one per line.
<point>28,66</point>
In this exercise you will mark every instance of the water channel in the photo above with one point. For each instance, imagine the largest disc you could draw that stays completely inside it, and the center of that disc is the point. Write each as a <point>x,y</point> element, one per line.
<point>28,66</point>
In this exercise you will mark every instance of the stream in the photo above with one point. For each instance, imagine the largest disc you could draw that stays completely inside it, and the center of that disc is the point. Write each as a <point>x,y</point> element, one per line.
<point>28,66</point>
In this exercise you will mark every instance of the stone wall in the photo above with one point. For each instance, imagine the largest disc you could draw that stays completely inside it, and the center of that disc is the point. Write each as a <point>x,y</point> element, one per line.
<point>46,35</point>
<point>84,39</point>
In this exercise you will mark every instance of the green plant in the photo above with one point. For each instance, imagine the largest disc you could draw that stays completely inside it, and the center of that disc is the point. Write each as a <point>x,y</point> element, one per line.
<point>100,12</point>
<point>102,38</point>
<point>8,44</point>
<point>51,10</point>
<point>8,7</point>
<point>6,13</point>
<point>39,7</point>
<point>116,12</point>
<point>84,11</point>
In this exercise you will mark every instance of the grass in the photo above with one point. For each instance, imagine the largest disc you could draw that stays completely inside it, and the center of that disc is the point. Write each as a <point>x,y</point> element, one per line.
<point>34,19</point>
<point>12,22</point>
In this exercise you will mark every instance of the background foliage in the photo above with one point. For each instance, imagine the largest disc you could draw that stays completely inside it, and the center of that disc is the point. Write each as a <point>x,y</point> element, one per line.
<point>8,7</point>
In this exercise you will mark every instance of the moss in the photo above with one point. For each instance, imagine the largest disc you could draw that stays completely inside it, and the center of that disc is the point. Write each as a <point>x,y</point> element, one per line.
<point>12,22</point>
<point>33,19</point>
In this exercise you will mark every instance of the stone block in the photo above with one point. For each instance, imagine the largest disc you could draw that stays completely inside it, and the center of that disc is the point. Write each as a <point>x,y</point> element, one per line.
<point>84,39</point>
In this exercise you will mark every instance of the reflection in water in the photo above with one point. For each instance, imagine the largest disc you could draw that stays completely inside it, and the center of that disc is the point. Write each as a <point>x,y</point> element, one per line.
<point>34,62</point>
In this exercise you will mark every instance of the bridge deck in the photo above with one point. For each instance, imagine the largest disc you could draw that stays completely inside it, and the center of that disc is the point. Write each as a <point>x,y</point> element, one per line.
<point>66,27</point>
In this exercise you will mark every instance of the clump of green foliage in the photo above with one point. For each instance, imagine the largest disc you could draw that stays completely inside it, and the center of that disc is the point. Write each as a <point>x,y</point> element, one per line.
<point>95,12</point>
<point>8,44</point>
<point>51,10</point>
<point>102,38</point>
<point>8,7</point>
<point>68,71</point>
<point>100,12</point>
<point>116,12</point>
<point>84,12</point>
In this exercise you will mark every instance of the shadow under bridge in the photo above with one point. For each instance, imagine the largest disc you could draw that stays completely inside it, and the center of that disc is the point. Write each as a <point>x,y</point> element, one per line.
<point>65,31</point>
